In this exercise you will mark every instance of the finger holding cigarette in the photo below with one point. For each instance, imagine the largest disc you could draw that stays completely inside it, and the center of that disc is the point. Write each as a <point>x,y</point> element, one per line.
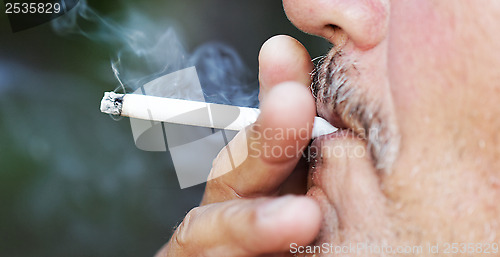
<point>276,141</point>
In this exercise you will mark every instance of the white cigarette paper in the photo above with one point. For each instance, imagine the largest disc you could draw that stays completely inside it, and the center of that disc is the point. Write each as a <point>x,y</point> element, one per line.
<point>192,113</point>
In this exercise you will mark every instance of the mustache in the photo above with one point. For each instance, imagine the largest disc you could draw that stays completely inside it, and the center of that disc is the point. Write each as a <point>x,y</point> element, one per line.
<point>341,100</point>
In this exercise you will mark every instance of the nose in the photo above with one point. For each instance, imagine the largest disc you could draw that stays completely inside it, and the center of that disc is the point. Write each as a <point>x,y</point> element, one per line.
<point>364,22</point>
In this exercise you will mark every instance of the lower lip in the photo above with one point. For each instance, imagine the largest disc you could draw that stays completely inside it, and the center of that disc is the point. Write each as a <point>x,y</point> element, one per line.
<point>329,215</point>
<point>316,173</point>
<point>320,172</point>
<point>320,189</point>
<point>319,195</point>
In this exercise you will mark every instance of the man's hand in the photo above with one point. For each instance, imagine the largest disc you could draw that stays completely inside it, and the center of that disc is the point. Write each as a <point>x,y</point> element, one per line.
<point>240,214</point>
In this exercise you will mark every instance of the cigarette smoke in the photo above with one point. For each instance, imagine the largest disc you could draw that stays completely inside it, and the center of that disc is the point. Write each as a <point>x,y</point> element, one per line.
<point>148,50</point>
<point>71,178</point>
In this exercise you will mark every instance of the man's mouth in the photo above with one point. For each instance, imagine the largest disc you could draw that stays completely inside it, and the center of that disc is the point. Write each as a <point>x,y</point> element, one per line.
<point>342,100</point>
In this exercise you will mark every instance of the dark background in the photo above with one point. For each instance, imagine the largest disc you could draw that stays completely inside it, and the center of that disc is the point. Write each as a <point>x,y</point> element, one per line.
<point>72,182</point>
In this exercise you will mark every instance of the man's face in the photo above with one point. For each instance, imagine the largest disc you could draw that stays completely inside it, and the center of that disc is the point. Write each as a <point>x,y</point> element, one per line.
<point>418,82</point>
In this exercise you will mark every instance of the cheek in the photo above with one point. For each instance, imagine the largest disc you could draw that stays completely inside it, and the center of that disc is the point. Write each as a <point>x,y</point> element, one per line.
<point>421,54</point>
<point>422,67</point>
<point>420,46</point>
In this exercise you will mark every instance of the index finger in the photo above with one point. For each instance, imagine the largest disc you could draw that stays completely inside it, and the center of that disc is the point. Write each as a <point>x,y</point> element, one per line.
<point>274,144</point>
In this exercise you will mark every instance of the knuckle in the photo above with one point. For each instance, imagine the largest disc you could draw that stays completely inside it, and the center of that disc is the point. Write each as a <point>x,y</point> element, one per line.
<point>220,190</point>
<point>221,164</point>
<point>182,234</point>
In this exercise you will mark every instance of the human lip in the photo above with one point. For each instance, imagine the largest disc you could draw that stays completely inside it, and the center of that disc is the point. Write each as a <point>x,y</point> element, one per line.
<point>322,152</point>
<point>333,86</point>
<point>326,208</point>
<point>320,187</point>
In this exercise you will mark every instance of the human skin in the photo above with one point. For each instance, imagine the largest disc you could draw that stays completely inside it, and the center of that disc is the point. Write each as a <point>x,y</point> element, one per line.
<point>427,72</point>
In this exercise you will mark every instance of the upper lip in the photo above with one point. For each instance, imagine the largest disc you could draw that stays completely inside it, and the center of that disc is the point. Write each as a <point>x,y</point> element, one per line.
<point>331,108</point>
<point>336,120</point>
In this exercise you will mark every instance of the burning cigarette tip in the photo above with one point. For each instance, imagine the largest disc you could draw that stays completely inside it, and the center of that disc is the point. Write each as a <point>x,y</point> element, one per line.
<point>112,103</point>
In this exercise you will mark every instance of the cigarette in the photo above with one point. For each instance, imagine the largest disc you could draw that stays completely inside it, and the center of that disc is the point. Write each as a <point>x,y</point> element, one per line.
<point>194,113</point>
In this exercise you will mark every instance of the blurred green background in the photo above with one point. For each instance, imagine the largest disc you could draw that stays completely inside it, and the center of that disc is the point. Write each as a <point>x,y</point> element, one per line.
<point>72,182</point>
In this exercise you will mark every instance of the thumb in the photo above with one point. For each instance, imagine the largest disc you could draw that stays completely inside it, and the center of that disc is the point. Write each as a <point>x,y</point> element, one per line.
<point>283,58</point>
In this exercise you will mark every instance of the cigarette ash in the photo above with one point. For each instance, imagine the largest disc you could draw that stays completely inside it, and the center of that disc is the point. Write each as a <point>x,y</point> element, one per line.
<point>112,103</point>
